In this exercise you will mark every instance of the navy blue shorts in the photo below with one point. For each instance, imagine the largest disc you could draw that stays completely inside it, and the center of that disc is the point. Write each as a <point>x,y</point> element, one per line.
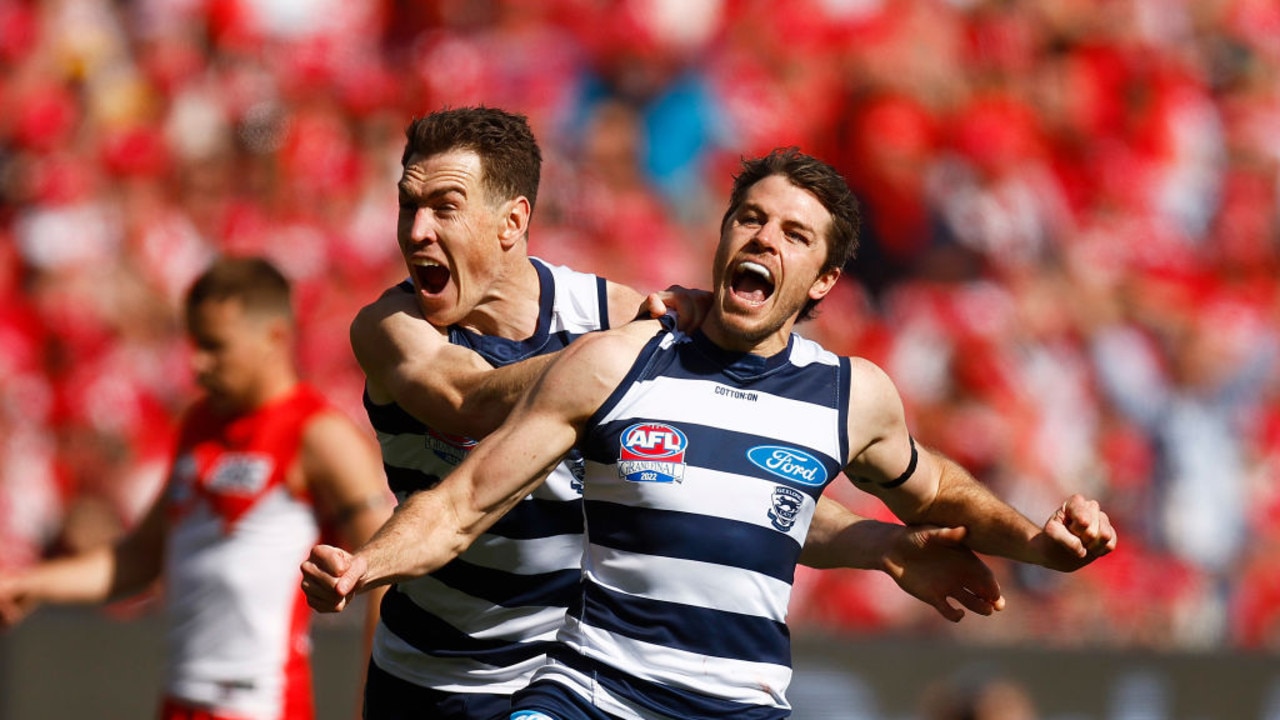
<point>552,701</point>
<point>387,697</point>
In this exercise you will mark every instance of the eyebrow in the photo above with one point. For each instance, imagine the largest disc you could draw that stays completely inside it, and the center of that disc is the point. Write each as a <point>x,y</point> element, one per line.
<point>786,224</point>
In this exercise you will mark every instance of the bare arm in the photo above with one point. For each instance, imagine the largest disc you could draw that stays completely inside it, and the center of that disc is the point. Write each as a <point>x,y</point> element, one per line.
<point>930,563</point>
<point>410,362</point>
<point>92,577</point>
<point>433,526</point>
<point>932,489</point>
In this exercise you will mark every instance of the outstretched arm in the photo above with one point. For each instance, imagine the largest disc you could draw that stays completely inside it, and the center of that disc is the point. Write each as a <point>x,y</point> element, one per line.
<point>923,487</point>
<point>92,577</point>
<point>433,526</point>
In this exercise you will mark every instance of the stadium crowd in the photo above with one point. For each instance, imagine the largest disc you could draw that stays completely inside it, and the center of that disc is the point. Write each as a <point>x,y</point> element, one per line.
<point>1070,261</point>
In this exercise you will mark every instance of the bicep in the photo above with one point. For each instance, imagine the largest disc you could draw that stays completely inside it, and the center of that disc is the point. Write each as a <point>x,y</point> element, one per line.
<point>885,460</point>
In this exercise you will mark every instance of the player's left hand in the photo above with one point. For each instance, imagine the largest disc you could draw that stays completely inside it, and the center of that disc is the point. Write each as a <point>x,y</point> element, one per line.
<point>933,565</point>
<point>690,306</point>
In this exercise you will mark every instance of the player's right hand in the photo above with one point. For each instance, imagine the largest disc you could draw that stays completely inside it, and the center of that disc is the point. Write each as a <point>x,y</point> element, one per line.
<point>16,603</point>
<point>329,578</point>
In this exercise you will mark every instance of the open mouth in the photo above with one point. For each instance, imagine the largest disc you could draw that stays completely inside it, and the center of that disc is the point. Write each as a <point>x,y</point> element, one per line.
<point>430,277</point>
<point>752,282</point>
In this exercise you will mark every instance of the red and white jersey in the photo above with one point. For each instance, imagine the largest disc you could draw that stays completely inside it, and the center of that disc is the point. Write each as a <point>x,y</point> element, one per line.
<point>238,623</point>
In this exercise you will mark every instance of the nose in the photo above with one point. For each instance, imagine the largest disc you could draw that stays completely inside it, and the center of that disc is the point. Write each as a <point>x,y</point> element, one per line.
<point>420,228</point>
<point>767,236</point>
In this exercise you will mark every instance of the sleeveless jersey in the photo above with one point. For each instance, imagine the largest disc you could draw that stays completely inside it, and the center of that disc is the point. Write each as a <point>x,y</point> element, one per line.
<point>483,622</point>
<point>704,468</point>
<point>237,620</point>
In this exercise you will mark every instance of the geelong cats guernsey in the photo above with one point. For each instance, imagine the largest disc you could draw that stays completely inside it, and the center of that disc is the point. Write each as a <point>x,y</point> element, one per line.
<point>703,471</point>
<point>237,621</point>
<point>483,622</point>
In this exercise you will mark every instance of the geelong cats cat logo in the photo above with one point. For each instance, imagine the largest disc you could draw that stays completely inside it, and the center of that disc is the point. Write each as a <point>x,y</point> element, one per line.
<point>652,452</point>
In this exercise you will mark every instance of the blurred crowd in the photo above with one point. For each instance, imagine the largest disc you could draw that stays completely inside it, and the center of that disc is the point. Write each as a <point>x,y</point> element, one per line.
<point>1070,260</point>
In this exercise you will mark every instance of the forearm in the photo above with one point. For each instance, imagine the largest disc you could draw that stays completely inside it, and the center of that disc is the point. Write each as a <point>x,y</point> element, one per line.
<point>489,399</point>
<point>840,538</point>
<point>420,537</point>
<point>993,526</point>
<point>90,578</point>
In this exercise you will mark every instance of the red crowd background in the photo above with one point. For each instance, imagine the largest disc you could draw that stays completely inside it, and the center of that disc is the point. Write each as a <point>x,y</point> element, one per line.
<point>1070,265</point>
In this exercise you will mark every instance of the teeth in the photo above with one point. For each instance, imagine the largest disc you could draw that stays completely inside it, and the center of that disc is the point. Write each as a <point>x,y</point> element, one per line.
<point>423,262</point>
<point>757,268</point>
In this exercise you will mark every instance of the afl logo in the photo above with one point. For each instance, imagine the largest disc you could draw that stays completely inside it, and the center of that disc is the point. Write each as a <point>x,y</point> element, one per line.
<point>652,452</point>
<point>447,446</point>
<point>789,463</point>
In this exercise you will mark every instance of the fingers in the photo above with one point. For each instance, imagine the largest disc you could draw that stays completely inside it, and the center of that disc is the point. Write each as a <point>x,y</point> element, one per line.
<point>325,578</point>
<point>690,306</point>
<point>654,306</point>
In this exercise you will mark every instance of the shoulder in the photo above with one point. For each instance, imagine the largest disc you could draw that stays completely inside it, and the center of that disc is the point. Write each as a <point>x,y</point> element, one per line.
<point>393,320</point>
<point>394,300</point>
<point>593,366</point>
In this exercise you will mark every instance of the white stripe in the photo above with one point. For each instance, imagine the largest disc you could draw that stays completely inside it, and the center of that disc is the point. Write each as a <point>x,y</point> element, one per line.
<point>689,582</point>
<point>576,306</point>
<point>526,557</point>
<point>406,450</point>
<point>751,683</point>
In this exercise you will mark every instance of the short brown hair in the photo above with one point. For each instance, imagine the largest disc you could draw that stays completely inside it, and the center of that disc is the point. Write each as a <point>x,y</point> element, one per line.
<point>509,154</point>
<point>254,281</point>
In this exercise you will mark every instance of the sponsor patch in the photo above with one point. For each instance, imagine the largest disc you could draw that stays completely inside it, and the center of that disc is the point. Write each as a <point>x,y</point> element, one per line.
<point>240,473</point>
<point>449,447</point>
<point>652,452</point>
<point>791,464</point>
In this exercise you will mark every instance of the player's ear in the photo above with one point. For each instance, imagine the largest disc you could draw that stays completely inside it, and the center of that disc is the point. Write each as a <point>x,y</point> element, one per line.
<point>821,286</point>
<point>515,218</point>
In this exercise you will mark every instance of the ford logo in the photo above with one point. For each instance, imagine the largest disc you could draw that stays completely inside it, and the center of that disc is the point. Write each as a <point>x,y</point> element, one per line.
<point>789,463</point>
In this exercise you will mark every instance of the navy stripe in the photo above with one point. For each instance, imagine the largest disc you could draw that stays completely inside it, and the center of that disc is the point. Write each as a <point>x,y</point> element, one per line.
<point>602,301</point>
<point>433,636</point>
<point>846,375</point>
<point>537,518</point>
<point>703,631</point>
<point>406,481</point>
<point>683,535</point>
<point>668,701</point>
<point>789,382</point>
<point>647,356</point>
<point>718,448</point>
<point>552,589</point>
<point>391,418</point>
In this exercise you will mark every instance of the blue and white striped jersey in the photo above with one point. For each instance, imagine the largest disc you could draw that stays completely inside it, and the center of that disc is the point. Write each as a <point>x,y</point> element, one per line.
<point>483,622</point>
<point>703,469</point>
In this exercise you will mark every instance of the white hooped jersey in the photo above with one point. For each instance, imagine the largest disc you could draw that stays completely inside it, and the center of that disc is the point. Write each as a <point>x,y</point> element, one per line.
<point>704,469</point>
<point>484,622</point>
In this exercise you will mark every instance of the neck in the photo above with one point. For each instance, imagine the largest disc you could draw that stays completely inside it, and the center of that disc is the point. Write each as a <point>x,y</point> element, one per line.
<point>509,307</point>
<point>733,337</point>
